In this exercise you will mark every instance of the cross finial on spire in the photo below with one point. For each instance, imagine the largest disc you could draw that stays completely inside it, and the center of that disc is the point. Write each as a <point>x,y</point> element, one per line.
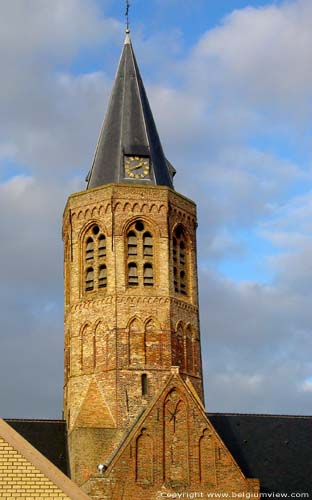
<point>127,16</point>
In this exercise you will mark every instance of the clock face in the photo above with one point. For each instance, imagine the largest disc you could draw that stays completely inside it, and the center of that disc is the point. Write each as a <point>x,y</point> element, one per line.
<point>137,167</point>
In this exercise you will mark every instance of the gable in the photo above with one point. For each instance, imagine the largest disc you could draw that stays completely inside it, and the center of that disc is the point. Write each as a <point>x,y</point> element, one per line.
<point>174,446</point>
<point>25,473</point>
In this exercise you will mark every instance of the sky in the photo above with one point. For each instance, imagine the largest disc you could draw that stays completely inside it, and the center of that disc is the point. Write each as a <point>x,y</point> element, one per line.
<point>230,86</point>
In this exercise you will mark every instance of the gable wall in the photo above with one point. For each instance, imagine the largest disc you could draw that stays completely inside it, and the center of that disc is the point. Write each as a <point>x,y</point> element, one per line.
<point>172,449</point>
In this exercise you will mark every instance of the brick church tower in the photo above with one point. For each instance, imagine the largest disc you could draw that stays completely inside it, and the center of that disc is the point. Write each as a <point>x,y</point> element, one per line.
<point>133,391</point>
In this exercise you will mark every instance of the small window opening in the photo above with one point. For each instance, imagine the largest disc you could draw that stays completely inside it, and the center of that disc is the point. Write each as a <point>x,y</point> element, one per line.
<point>102,277</point>
<point>148,275</point>
<point>139,226</point>
<point>90,249</point>
<point>96,230</point>
<point>89,279</point>
<point>133,279</point>
<point>102,246</point>
<point>144,384</point>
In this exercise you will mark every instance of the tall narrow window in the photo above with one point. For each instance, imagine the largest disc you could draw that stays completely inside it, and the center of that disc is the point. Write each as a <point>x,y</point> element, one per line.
<point>182,283</point>
<point>133,279</point>
<point>102,276</point>
<point>148,275</point>
<point>102,246</point>
<point>90,249</point>
<point>147,245</point>
<point>132,244</point>
<point>179,258</point>
<point>144,384</point>
<point>174,244</point>
<point>89,279</point>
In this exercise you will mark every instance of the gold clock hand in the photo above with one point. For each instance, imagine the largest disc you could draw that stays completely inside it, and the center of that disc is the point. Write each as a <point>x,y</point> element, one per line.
<point>136,166</point>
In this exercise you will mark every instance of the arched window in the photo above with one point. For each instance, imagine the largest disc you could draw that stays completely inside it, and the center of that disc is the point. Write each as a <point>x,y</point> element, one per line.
<point>140,255</point>
<point>148,275</point>
<point>102,276</point>
<point>133,279</point>
<point>95,270</point>
<point>179,258</point>
<point>89,279</point>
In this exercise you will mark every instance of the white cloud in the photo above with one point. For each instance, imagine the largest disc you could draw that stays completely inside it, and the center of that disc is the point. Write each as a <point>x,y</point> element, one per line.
<point>260,56</point>
<point>250,74</point>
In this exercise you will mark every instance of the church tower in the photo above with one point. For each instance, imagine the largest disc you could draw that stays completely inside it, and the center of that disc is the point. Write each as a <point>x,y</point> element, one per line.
<point>131,313</point>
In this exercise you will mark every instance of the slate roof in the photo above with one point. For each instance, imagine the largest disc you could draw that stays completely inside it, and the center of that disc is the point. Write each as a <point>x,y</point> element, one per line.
<point>128,129</point>
<point>47,436</point>
<point>276,449</point>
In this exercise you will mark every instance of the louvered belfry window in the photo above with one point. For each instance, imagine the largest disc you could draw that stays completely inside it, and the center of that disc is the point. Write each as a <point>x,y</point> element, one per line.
<point>90,249</point>
<point>95,260</point>
<point>89,279</point>
<point>179,257</point>
<point>148,275</point>
<point>102,276</point>
<point>133,279</point>
<point>140,255</point>
<point>102,246</point>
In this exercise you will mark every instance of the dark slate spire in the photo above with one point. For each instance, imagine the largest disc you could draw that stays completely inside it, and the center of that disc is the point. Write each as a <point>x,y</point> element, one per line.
<point>129,149</point>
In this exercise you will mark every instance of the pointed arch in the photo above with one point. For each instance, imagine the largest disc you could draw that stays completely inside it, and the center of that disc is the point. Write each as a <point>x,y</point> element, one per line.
<point>144,458</point>
<point>136,342</point>
<point>87,349</point>
<point>176,453</point>
<point>153,346</point>
<point>178,345</point>
<point>196,350</point>
<point>102,348</point>
<point>207,462</point>
<point>189,349</point>
<point>93,251</point>
<point>139,252</point>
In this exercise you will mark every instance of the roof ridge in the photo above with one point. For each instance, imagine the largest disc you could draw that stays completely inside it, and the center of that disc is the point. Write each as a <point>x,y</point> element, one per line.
<point>60,421</point>
<point>259,415</point>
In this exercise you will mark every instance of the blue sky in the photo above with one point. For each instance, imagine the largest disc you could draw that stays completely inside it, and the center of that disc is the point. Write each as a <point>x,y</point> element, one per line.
<point>229,83</point>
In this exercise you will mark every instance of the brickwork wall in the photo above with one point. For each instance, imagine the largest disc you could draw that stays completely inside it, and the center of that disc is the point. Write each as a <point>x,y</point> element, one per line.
<point>20,479</point>
<point>116,334</point>
<point>172,449</point>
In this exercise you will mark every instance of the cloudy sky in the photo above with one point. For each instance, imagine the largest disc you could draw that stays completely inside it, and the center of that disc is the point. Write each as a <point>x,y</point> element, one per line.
<point>230,84</point>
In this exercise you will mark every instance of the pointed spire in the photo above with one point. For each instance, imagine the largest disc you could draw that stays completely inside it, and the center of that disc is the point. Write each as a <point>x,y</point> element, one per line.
<point>129,149</point>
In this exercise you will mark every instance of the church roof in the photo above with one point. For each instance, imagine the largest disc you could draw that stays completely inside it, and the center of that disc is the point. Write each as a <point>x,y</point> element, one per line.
<point>129,130</point>
<point>47,436</point>
<point>276,449</point>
